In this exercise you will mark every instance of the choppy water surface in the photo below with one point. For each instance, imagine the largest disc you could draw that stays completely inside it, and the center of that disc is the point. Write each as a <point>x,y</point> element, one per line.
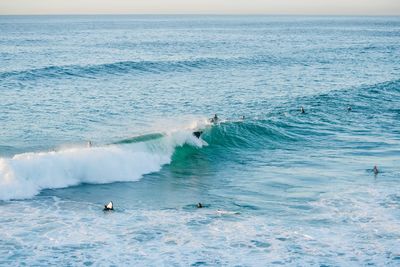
<point>279,187</point>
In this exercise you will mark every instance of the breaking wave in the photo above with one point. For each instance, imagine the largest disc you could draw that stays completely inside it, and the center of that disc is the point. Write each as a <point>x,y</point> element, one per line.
<point>25,175</point>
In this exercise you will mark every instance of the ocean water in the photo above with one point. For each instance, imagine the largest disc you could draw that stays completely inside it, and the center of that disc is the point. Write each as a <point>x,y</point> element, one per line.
<point>279,187</point>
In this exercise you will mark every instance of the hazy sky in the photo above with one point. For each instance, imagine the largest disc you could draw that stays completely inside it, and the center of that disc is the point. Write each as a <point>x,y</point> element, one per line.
<point>334,7</point>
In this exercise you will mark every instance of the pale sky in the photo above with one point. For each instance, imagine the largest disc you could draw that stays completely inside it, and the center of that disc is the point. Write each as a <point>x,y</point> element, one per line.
<point>299,7</point>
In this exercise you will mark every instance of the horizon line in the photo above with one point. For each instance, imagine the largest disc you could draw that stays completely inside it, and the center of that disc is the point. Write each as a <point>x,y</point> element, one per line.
<point>201,14</point>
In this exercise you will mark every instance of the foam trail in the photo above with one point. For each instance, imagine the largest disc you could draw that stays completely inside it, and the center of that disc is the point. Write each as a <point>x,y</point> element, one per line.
<point>25,175</point>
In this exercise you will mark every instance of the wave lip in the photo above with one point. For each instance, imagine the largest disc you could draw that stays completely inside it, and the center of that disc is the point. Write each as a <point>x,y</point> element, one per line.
<point>25,175</point>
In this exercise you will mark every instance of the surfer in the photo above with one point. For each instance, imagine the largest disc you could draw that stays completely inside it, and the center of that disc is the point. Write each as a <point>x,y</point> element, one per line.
<point>375,170</point>
<point>214,119</point>
<point>302,111</point>
<point>242,117</point>
<point>89,143</point>
<point>109,206</point>
<point>348,108</point>
<point>199,205</point>
<point>197,133</point>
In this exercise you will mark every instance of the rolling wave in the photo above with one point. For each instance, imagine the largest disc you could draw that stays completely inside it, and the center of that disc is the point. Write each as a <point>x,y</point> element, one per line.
<point>25,175</point>
<point>138,67</point>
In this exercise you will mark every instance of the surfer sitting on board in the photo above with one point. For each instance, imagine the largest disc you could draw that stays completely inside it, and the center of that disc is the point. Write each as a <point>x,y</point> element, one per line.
<point>375,170</point>
<point>214,119</point>
<point>109,206</point>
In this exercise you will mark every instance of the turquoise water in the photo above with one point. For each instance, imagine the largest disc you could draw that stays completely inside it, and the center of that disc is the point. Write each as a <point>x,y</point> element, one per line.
<point>279,187</point>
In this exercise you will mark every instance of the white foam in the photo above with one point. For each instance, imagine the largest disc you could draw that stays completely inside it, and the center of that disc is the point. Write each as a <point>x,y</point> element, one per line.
<point>25,175</point>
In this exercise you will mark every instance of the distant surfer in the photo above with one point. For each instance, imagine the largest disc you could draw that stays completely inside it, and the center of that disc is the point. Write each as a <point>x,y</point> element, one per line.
<point>199,205</point>
<point>302,111</point>
<point>214,119</point>
<point>375,170</point>
<point>349,108</point>
<point>109,206</point>
<point>89,144</point>
<point>242,117</point>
